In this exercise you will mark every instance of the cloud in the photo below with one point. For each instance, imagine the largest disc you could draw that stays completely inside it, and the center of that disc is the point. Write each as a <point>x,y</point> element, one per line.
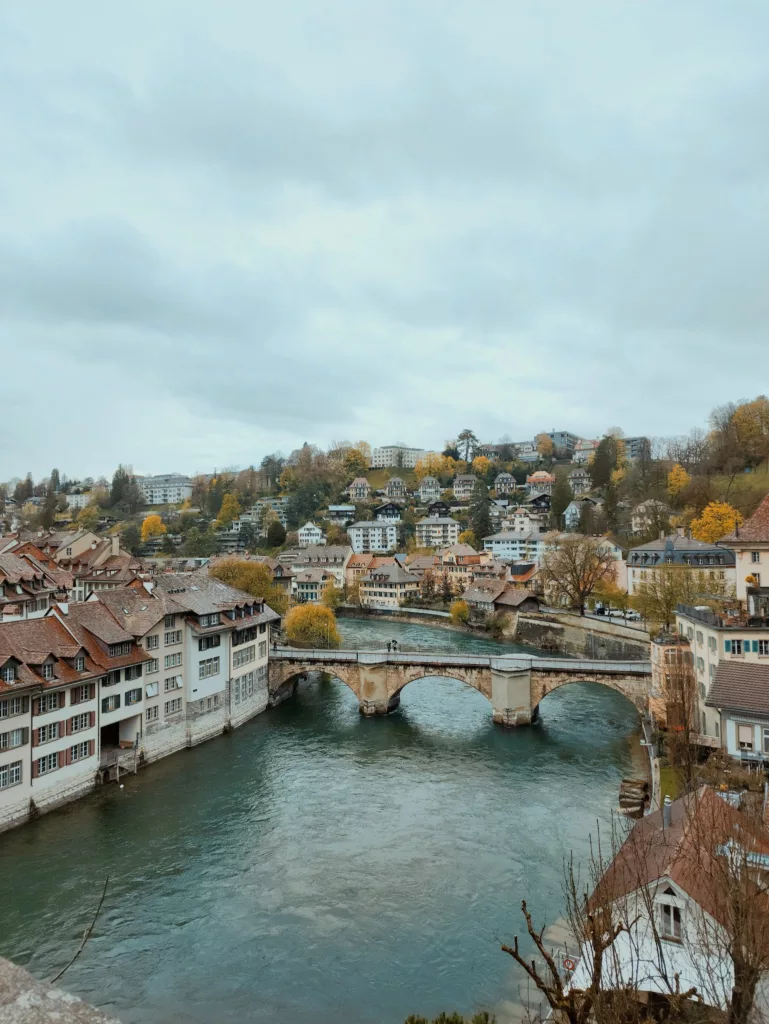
<point>225,234</point>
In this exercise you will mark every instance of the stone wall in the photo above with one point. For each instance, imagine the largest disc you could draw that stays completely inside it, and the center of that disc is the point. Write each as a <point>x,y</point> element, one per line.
<point>163,738</point>
<point>23,1000</point>
<point>580,637</point>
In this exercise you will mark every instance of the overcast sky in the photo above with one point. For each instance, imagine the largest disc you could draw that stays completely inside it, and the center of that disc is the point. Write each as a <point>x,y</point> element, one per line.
<point>231,227</point>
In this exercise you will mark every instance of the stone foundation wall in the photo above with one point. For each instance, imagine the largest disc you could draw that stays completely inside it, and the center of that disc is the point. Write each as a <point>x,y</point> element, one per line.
<point>15,813</point>
<point>582,638</point>
<point>163,738</point>
<point>203,723</point>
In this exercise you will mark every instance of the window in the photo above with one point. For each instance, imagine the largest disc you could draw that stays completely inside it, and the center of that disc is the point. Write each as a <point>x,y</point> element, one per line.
<point>80,751</point>
<point>670,922</point>
<point>80,722</point>
<point>212,703</point>
<point>133,672</point>
<point>755,557</point>
<point>169,621</point>
<point>712,671</point>
<point>80,663</point>
<point>173,706</point>
<point>712,645</point>
<point>46,733</point>
<point>209,667</point>
<point>262,627</point>
<point>173,660</point>
<point>207,642</point>
<point>736,646</point>
<point>10,774</point>
<point>111,678</point>
<point>172,683</point>
<point>133,696</point>
<point>236,691</point>
<point>152,666</point>
<point>111,703</point>
<point>48,702</point>
<point>152,642</point>
<point>745,737</point>
<point>14,738</point>
<point>48,670</point>
<point>173,636</point>
<point>263,649</point>
<point>9,674</point>
<point>13,706</point>
<point>151,714</point>
<point>700,665</point>
<point>80,694</point>
<point>243,657</point>
<point>763,647</point>
<point>209,620</point>
<point>46,764</point>
<point>151,689</point>
<point>118,650</point>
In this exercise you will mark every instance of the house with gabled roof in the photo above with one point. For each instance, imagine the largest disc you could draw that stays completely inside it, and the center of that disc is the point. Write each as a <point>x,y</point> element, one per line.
<point>749,544</point>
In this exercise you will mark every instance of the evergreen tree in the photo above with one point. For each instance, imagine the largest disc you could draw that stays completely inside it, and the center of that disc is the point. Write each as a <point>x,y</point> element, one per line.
<point>48,514</point>
<point>561,497</point>
<point>120,480</point>
<point>611,505</point>
<point>130,538</point>
<point>604,462</point>
<point>447,591</point>
<point>478,511</point>
<point>55,480</point>
<point>276,534</point>
<point>467,443</point>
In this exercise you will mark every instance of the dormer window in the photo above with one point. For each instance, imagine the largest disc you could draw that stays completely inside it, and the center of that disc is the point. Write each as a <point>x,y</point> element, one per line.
<point>670,921</point>
<point>48,670</point>
<point>80,663</point>
<point>118,650</point>
<point>9,673</point>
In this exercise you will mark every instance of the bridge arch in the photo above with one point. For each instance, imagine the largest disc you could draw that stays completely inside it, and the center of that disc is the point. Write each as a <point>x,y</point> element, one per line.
<point>285,675</point>
<point>633,688</point>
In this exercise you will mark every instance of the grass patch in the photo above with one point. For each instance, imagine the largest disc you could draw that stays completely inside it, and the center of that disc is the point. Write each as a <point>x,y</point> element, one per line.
<point>378,477</point>
<point>671,782</point>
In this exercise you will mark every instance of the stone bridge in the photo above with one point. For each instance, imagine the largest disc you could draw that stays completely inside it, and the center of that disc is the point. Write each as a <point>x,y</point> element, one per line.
<point>514,684</point>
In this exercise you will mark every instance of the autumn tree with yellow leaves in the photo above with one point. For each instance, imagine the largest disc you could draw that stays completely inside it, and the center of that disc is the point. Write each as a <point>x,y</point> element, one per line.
<point>716,520</point>
<point>544,445</point>
<point>678,479</point>
<point>152,526</point>
<point>230,510</point>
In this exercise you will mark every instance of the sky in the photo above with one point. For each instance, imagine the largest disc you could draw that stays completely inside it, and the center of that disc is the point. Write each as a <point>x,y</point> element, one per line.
<point>229,228</point>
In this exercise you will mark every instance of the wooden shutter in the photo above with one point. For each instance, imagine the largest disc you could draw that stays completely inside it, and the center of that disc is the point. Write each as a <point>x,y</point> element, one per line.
<point>74,695</point>
<point>36,706</point>
<point>67,754</point>
<point>93,719</point>
<point>93,691</point>
<point>91,746</point>
<point>728,646</point>
<point>35,737</point>
<point>755,646</point>
<point>24,737</point>
<point>25,704</point>
<point>35,768</point>
<point>68,727</point>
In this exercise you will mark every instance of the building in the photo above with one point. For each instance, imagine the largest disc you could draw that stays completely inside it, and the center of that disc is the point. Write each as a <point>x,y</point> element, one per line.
<point>486,597</point>
<point>80,499</point>
<point>504,483</point>
<point>716,565</point>
<point>672,666</point>
<point>282,576</point>
<point>583,451</point>
<point>580,482</point>
<point>523,519</point>
<point>464,485</point>
<point>437,532</point>
<point>169,489</point>
<point>359,489</point>
<point>677,883</point>
<point>387,586</point>
<point>736,639</point>
<point>26,588</point>
<point>397,456</point>
<point>516,547</point>
<point>341,514</point>
<point>373,535</point>
<point>740,693</point>
<point>526,451</point>
<point>438,508</point>
<point>572,514</point>
<point>310,535</point>
<point>429,489</point>
<point>563,441</point>
<point>395,488</point>
<point>635,447</point>
<point>388,513</point>
<point>649,515</point>
<point>331,557</point>
<point>750,546</point>
<point>310,585</point>
<point>459,561</point>
<point>540,482</point>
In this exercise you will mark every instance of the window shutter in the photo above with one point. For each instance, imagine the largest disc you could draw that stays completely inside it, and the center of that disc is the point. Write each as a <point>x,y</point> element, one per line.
<point>93,720</point>
<point>755,646</point>
<point>728,646</point>
<point>74,696</point>
<point>25,704</point>
<point>91,745</point>
<point>69,727</point>
<point>36,707</point>
<point>35,769</point>
<point>65,757</point>
<point>93,690</point>
<point>35,737</point>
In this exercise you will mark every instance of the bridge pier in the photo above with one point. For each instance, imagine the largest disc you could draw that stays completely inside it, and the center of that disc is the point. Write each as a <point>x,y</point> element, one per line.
<point>369,708</point>
<point>511,696</point>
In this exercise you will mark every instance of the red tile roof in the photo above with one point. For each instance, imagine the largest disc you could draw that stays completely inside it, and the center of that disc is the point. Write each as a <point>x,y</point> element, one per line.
<point>755,529</point>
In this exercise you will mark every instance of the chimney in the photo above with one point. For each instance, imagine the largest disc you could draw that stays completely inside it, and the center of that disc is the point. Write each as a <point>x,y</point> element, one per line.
<point>662,534</point>
<point>115,544</point>
<point>666,812</point>
<point>680,531</point>
<point>93,544</point>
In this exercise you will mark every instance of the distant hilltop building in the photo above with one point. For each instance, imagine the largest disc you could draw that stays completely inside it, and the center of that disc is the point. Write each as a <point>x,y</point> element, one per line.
<point>168,489</point>
<point>397,455</point>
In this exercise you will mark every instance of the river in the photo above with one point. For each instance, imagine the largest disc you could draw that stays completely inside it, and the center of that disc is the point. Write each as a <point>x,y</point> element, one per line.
<point>317,867</point>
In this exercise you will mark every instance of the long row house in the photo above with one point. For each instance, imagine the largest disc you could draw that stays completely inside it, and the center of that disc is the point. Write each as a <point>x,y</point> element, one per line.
<point>128,676</point>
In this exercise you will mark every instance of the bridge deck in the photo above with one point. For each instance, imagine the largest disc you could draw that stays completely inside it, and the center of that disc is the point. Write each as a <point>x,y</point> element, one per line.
<point>501,663</point>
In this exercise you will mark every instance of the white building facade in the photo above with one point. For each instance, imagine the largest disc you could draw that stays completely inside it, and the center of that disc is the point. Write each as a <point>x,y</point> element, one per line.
<point>374,535</point>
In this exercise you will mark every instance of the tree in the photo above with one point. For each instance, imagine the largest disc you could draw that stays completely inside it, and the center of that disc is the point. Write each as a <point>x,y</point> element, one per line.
<point>312,625</point>
<point>332,596</point>
<point>365,449</point>
<point>574,566</point>
<point>717,520</point>
<point>467,443</point>
<point>460,612</point>
<point>451,452</point>
<point>88,517</point>
<point>276,534</point>
<point>562,496</point>
<point>355,462</point>
<point>603,462</point>
<point>152,526</point>
<point>199,543</point>
<point>666,586</point>
<point>352,595</point>
<point>611,505</point>
<point>252,578</point>
<point>478,513</point>
<point>55,480</point>
<point>678,479</point>
<point>611,595</point>
<point>447,589</point>
<point>120,481</point>
<point>167,546</point>
<point>48,514</point>
<point>468,537</point>
<point>481,465</point>
<point>229,510</point>
<point>427,585</point>
<point>130,538</point>
<point>544,445</point>
<point>751,425</point>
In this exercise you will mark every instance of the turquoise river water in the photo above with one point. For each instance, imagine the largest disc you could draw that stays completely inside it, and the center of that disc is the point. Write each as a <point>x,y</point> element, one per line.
<point>316,866</point>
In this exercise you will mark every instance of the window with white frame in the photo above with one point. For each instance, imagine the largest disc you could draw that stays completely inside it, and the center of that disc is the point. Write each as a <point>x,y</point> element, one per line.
<point>209,667</point>
<point>13,706</point>
<point>48,670</point>
<point>173,636</point>
<point>736,646</point>
<point>152,666</point>
<point>212,703</point>
<point>48,763</point>
<point>152,689</point>
<point>14,738</point>
<point>169,621</point>
<point>133,672</point>
<point>670,920</point>
<point>712,644</point>
<point>763,647</point>
<point>80,751</point>
<point>48,702</point>
<point>80,722</point>
<point>209,620</point>
<point>173,706</point>
<point>243,657</point>
<point>173,660</point>
<point>699,637</point>
<point>133,696</point>
<point>262,648</point>
<point>207,642</point>
<point>236,691</point>
<point>10,774</point>
<point>80,663</point>
<point>81,693</point>
<point>111,703</point>
<point>172,683</point>
<point>755,557</point>
<point>9,673</point>
<point>745,737</point>
<point>46,733</point>
<point>119,650</point>
<point>152,642</point>
<point>151,714</point>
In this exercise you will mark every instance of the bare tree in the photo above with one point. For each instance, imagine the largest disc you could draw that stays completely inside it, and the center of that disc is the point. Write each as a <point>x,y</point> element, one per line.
<point>574,566</point>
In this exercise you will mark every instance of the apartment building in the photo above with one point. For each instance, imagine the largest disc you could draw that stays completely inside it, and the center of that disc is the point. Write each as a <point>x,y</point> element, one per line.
<point>464,483</point>
<point>750,546</point>
<point>388,513</point>
<point>375,535</point>
<point>437,532</point>
<point>309,535</point>
<point>540,482</point>
<point>26,588</point>
<point>331,557</point>
<point>563,441</point>
<point>516,547</point>
<point>714,565</point>
<point>395,489</point>
<point>311,584</point>
<point>396,455</point>
<point>504,483</point>
<point>429,489</point>
<point>166,489</point>
<point>359,489</point>
<point>387,587</point>
<point>524,520</point>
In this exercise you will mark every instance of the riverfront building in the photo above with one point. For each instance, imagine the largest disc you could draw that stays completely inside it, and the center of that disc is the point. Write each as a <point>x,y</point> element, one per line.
<point>121,680</point>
